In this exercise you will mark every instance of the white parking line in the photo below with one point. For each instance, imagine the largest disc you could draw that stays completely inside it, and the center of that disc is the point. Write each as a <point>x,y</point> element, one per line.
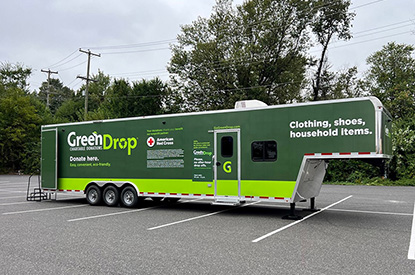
<point>371,212</point>
<point>13,203</point>
<point>297,222</point>
<point>7,185</point>
<point>123,212</point>
<point>411,251</point>
<point>22,184</point>
<point>112,214</point>
<point>43,209</point>
<point>199,217</point>
<point>7,188</point>
<point>14,197</point>
<point>7,191</point>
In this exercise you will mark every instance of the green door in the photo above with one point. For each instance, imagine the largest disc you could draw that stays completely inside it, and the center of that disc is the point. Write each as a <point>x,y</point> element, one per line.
<point>49,170</point>
<point>227,162</point>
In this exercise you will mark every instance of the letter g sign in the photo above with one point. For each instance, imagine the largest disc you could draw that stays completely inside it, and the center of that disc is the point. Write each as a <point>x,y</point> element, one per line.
<point>227,168</point>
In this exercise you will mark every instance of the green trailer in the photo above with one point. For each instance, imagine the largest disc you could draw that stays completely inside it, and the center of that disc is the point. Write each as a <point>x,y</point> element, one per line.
<point>251,153</point>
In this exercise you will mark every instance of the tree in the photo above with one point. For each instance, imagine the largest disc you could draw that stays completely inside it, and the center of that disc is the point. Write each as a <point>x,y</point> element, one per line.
<point>391,78</point>
<point>71,110</point>
<point>331,20</point>
<point>96,90</point>
<point>256,51</point>
<point>142,98</point>
<point>58,94</point>
<point>403,141</point>
<point>149,95</point>
<point>14,76</point>
<point>348,84</point>
<point>115,104</point>
<point>341,84</point>
<point>21,116</point>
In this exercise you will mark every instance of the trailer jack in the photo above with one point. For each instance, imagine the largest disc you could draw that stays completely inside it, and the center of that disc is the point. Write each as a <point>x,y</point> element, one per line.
<point>312,206</point>
<point>292,215</point>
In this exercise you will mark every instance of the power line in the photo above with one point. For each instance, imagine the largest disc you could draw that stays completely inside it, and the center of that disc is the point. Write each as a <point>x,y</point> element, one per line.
<point>223,64</point>
<point>66,69</point>
<point>366,4</point>
<point>56,66</point>
<point>382,31</point>
<point>160,42</point>
<point>72,82</point>
<point>370,40</point>
<point>139,72</point>
<point>136,45</point>
<point>53,65</point>
<point>137,51</point>
<point>76,84</point>
<point>386,26</point>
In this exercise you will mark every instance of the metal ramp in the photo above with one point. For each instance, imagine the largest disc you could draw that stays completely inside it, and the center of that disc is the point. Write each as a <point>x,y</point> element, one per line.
<point>37,194</point>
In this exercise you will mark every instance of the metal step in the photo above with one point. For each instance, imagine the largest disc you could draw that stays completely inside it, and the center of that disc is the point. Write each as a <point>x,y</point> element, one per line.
<point>227,201</point>
<point>37,195</point>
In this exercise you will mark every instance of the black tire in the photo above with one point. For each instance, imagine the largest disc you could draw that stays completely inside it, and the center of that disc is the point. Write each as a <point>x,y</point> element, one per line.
<point>129,197</point>
<point>111,196</point>
<point>94,195</point>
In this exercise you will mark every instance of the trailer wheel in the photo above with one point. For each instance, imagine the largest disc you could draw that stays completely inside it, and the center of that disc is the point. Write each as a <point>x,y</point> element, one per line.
<point>129,197</point>
<point>111,196</point>
<point>93,195</point>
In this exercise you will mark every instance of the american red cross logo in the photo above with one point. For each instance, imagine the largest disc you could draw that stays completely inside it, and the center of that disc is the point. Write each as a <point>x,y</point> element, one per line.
<point>150,142</point>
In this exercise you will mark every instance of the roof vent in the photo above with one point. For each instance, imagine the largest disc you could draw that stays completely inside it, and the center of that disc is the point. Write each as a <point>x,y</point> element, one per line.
<point>244,104</point>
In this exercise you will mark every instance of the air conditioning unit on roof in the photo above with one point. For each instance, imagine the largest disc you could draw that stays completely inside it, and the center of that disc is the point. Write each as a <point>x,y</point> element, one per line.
<point>244,104</point>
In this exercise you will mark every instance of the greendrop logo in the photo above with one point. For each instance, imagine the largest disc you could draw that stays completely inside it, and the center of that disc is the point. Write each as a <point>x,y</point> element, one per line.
<point>97,141</point>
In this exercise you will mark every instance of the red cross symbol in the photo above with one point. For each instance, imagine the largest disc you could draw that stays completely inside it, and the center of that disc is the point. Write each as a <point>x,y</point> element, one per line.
<point>150,142</point>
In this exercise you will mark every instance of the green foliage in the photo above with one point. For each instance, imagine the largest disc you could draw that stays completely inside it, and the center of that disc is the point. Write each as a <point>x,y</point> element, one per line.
<point>71,110</point>
<point>14,76</point>
<point>331,20</point>
<point>376,182</point>
<point>97,90</point>
<point>147,97</point>
<point>403,146</point>
<point>355,171</point>
<point>20,119</point>
<point>341,84</point>
<point>58,94</point>
<point>391,78</point>
<point>256,51</point>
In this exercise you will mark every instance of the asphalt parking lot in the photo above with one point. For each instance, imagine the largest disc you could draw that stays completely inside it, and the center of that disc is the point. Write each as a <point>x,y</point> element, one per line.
<point>359,230</point>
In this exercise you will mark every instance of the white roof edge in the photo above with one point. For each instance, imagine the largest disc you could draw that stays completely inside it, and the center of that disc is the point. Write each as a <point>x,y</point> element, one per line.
<point>376,102</point>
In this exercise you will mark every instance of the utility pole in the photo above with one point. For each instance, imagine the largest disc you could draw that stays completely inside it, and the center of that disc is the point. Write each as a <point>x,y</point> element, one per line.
<point>48,92</point>
<point>87,79</point>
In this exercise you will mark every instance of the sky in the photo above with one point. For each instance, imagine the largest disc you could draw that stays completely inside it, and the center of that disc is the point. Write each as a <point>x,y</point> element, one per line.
<point>133,36</point>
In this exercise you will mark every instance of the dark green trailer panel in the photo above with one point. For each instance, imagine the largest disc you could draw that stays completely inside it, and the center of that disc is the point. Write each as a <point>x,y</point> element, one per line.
<point>274,153</point>
<point>49,154</point>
